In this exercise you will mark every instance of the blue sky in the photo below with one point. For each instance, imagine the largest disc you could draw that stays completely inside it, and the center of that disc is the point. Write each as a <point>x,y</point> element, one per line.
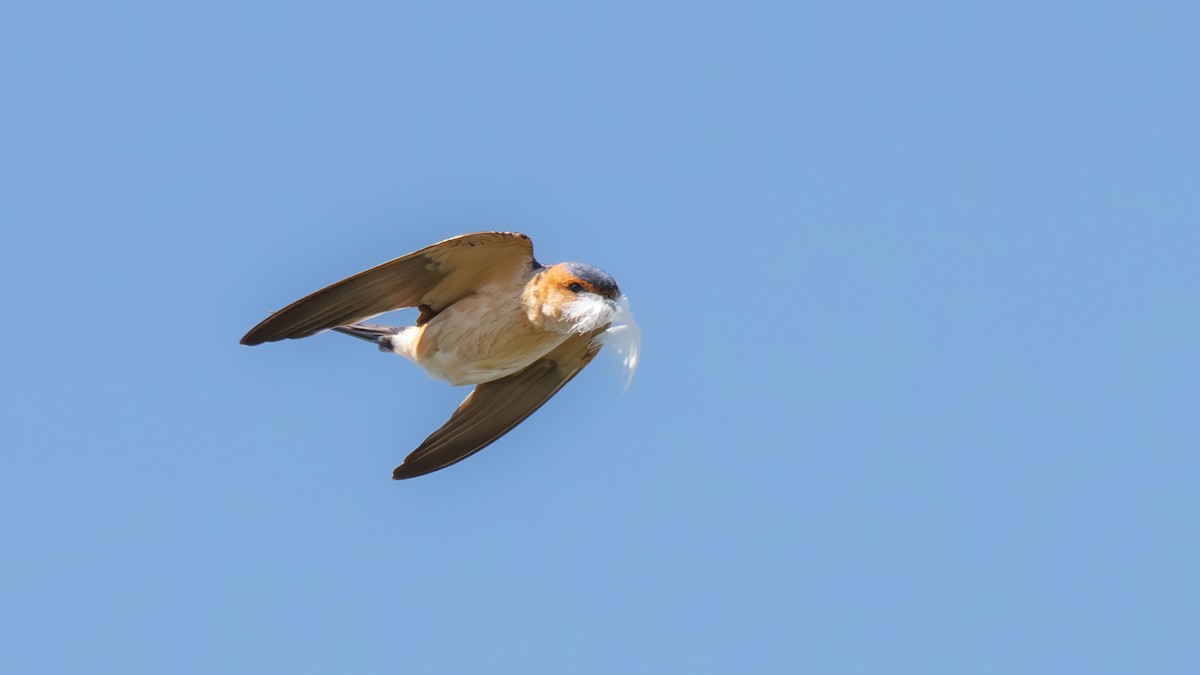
<point>917,283</point>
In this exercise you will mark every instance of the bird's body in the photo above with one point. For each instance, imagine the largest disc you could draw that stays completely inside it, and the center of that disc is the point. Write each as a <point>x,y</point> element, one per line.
<point>483,337</point>
<point>490,316</point>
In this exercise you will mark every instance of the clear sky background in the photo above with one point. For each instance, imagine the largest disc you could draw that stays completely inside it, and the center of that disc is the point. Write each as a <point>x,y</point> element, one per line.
<point>917,282</point>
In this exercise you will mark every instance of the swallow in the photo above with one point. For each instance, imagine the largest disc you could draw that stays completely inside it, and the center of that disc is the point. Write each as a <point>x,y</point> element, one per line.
<point>490,315</point>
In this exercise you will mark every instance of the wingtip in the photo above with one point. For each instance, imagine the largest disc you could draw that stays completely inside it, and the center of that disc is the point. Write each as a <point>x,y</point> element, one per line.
<point>254,335</point>
<point>252,338</point>
<point>413,469</point>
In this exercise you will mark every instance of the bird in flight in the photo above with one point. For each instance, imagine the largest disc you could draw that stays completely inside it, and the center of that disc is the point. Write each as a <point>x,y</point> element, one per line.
<point>490,315</point>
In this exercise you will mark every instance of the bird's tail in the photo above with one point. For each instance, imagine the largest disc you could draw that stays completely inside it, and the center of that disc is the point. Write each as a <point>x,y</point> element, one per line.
<point>369,331</point>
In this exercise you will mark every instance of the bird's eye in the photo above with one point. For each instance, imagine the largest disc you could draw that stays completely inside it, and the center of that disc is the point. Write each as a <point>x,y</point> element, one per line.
<point>575,287</point>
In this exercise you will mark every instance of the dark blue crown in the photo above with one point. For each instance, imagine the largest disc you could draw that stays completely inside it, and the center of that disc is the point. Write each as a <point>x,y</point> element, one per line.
<point>598,278</point>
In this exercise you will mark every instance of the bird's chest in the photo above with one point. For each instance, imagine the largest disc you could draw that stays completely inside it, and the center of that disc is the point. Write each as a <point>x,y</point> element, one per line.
<point>482,338</point>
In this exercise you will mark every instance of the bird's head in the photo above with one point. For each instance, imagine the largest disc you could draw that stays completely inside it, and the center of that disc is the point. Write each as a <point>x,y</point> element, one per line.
<point>579,298</point>
<point>573,297</point>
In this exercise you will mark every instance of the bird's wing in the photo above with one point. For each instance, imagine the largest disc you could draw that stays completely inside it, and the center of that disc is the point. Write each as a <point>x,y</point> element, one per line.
<point>494,408</point>
<point>436,276</point>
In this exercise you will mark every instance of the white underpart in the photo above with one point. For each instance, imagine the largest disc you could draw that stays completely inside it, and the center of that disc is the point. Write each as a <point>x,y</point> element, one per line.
<point>590,311</point>
<point>404,343</point>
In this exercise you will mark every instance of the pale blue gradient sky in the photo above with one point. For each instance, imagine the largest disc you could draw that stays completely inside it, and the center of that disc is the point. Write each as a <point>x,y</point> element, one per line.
<point>918,285</point>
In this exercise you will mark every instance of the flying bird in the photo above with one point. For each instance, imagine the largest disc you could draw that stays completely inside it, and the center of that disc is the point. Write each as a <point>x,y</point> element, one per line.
<point>489,315</point>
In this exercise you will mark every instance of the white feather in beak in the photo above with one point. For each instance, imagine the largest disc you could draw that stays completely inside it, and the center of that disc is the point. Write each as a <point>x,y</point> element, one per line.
<point>590,311</point>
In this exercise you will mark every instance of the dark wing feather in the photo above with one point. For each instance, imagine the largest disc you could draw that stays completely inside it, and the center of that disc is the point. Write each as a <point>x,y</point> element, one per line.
<point>494,408</point>
<point>436,276</point>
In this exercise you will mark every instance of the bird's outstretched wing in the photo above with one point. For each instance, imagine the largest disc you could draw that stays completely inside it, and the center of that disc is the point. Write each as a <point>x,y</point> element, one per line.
<point>436,276</point>
<point>494,408</point>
